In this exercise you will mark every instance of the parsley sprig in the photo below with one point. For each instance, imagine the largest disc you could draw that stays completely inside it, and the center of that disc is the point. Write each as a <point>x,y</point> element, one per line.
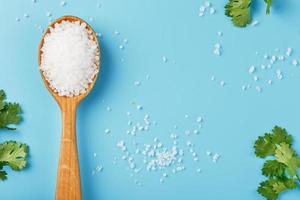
<point>281,171</point>
<point>240,11</point>
<point>12,153</point>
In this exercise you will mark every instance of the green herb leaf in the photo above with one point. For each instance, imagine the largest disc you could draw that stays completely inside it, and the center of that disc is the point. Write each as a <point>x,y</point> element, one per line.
<point>13,154</point>
<point>264,146</point>
<point>273,168</point>
<point>9,113</point>
<point>239,11</point>
<point>269,4</point>
<point>266,189</point>
<point>282,172</point>
<point>284,154</point>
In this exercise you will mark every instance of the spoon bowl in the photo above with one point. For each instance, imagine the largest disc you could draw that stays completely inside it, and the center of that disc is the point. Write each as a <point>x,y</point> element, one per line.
<point>68,175</point>
<point>58,98</point>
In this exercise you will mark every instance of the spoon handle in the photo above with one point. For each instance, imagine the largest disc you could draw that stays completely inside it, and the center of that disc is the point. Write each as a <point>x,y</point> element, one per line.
<point>68,176</point>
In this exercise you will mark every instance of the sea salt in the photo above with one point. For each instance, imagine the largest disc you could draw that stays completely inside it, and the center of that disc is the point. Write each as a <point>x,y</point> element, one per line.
<point>69,58</point>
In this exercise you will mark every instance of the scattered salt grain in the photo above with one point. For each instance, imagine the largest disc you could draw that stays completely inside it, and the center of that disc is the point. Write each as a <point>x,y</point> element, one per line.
<point>198,170</point>
<point>212,11</point>
<point>121,46</point>
<point>69,58</point>
<point>270,82</point>
<point>216,157</point>
<point>208,153</point>
<point>202,9</point>
<point>212,78</point>
<point>294,62</point>
<point>137,83</point>
<point>63,3</point>
<point>251,69</point>
<point>222,83</point>
<point>254,23</point>
<point>220,33</point>
<point>108,109</point>
<point>164,58</point>
<point>18,19</point>
<point>139,107</point>
<point>255,78</point>
<point>26,15</point>
<point>107,131</point>
<point>207,4</point>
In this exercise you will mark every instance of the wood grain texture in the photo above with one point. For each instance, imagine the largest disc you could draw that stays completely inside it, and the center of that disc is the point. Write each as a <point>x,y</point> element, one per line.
<point>68,174</point>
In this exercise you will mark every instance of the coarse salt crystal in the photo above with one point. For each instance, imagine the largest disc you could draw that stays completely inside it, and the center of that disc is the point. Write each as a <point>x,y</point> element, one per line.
<point>69,58</point>
<point>251,69</point>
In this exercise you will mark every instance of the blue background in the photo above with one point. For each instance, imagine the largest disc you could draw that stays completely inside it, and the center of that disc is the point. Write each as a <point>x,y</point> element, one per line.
<point>154,28</point>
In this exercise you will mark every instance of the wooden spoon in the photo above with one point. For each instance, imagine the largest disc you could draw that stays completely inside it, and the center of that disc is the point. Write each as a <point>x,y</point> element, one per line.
<point>68,176</point>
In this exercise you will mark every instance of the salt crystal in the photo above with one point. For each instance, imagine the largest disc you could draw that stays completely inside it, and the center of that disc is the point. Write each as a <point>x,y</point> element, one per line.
<point>251,69</point>
<point>212,11</point>
<point>244,87</point>
<point>212,78</point>
<point>295,62</point>
<point>207,4</point>
<point>202,9</point>
<point>164,58</point>
<point>208,153</point>
<point>263,66</point>
<point>201,14</point>
<point>121,47</point>
<point>139,107</point>
<point>217,52</point>
<point>254,23</point>
<point>217,45</point>
<point>199,119</point>
<point>117,32</point>
<point>255,78</point>
<point>137,83</point>
<point>108,109</point>
<point>18,19</point>
<point>198,170</point>
<point>107,131</point>
<point>270,82</point>
<point>222,83</point>
<point>26,15</point>
<point>63,3</point>
<point>70,58</point>
<point>220,33</point>
<point>48,14</point>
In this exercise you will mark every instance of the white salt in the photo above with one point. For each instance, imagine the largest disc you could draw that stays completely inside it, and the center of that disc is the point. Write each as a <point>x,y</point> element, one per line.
<point>69,58</point>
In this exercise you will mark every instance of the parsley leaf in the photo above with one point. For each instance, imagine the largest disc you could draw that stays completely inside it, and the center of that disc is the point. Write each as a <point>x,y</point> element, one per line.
<point>266,189</point>
<point>266,145</point>
<point>268,3</point>
<point>284,154</point>
<point>13,154</point>
<point>281,172</point>
<point>239,11</point>
<point>273,168</point>
<point>9,113</point>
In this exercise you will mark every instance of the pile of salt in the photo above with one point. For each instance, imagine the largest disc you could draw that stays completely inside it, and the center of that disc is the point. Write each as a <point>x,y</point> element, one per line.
<point>69,58</point>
